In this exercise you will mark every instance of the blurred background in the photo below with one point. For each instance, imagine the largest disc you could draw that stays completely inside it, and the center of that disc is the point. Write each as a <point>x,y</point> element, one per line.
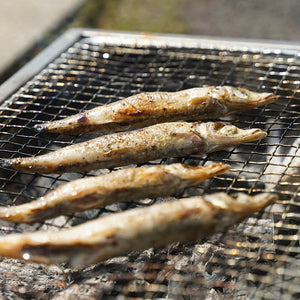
<point>27,27</point>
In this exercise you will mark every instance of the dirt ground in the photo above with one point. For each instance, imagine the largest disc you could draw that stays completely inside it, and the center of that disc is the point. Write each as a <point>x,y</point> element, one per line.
<point>258,19</point>
<point>27,25</point>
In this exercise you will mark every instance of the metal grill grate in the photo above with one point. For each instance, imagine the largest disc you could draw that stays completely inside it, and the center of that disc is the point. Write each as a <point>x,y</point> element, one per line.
<point>258,259</point>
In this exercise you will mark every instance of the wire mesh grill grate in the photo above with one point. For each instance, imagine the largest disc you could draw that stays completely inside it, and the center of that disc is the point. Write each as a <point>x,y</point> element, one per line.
<point>257,259</point>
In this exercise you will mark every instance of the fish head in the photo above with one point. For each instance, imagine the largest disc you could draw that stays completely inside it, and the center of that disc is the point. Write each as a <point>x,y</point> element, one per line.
<point>241,99</point>
<point>241,203</point>
<point>219,135</point>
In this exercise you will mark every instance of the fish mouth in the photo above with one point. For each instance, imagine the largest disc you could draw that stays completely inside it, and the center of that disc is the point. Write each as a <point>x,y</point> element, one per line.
<point>253,135</point>
<point>267,98</point>
<point>257,201</point>
<point>250,100</point>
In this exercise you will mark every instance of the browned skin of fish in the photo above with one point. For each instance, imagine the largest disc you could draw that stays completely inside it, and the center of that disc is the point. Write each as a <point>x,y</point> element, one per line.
<point>163,140</point>
<point>183,220</point>
<point>151,108</point>
<point>117,186</point>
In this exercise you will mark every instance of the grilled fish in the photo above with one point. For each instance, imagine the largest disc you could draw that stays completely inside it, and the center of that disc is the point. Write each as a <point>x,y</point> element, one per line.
<point>163,140</point>
<point>120,185</point>
<point>146,109</point>
<point>182,220</point>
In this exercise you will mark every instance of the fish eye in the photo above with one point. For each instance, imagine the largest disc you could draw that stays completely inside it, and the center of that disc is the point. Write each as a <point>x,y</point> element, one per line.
<point>228,130</point>
<point>218,126</point>
<point>241,93</point>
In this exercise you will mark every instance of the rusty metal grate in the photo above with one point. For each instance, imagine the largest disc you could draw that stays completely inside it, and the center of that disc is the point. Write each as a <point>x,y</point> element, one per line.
<point>258,259</point>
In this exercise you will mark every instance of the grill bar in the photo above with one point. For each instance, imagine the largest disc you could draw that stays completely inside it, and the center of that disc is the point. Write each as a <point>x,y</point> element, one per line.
<point>257,259</point>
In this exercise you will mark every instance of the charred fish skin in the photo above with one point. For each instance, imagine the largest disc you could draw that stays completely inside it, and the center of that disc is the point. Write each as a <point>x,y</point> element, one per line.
<point>165,140</point>
<point>177,139</point>
<point>117,186</point>
<point>146,109</point>
<point>183,220</point>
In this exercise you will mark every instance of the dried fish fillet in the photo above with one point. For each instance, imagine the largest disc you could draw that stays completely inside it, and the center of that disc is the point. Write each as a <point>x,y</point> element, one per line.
<point>146,109</point>
<point>120,185</point>
<point>163,140</point>
<point>117,234</point>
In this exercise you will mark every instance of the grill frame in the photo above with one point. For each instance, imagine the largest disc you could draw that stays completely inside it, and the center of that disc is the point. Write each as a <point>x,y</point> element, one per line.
<point>144,40</point>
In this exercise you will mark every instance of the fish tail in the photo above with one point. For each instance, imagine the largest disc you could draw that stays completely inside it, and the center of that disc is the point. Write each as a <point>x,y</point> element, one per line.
<point>6,163</point>
<point>41,127</point>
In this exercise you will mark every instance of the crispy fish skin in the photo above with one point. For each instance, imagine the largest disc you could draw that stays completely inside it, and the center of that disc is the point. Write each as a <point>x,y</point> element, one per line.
<point>146,109</point>
<point>117,186</point>
<point>182,220</point>
<point>163,140</point>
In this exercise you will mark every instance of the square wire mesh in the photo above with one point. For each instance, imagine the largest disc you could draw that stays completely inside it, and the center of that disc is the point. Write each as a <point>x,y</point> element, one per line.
<point>257,259</point>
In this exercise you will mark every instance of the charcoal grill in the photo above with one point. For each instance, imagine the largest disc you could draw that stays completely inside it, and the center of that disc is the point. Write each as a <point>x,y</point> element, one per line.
<point>258,259</point>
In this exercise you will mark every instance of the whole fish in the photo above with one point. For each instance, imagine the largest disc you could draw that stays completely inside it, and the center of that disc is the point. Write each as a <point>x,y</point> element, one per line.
<point>120,185</point>
<point>146,109</point>
<point>163,140</point>
<point>183,220</point>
